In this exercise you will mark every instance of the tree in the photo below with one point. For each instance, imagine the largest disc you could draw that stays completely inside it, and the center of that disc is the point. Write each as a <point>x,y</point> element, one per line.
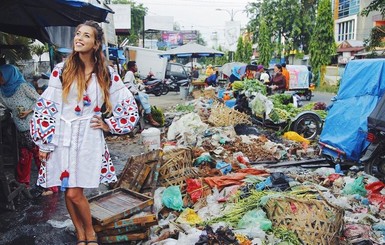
<point>322,45</point>
<point>377,33</point>
<point>39,50</point>
<point>247,50</point>
<point>264,44</point>
<point>16,47</point>
<point>240,50</point>
<point>375,5</point>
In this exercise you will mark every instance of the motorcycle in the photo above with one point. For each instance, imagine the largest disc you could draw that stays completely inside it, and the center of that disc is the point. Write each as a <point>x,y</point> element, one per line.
<point>307,123</point>
<point>374,157</point>
<point>154,86</point>
<point>174,85</point>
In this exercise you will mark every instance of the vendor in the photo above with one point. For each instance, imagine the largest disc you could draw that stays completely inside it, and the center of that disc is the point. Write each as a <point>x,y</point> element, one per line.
<point>278,83</point>
<point>212,80</point>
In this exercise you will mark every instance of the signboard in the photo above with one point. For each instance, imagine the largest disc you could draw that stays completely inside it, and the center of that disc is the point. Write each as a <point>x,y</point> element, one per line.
<point>172,39</point>
<point>299,76</point>
<point>160,23</point>
<point>122,16</point>
<point>232,32</point>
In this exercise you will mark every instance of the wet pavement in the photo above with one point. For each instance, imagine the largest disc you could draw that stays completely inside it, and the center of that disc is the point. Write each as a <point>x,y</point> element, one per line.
<point>44,219</point>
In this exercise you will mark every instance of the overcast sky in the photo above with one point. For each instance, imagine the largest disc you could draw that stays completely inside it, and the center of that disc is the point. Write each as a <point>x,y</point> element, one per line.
<point>200,14</point>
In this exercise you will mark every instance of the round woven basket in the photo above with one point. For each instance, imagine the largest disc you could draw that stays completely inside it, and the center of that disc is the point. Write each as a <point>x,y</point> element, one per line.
<point>314,221</point>
<point>222,116</point>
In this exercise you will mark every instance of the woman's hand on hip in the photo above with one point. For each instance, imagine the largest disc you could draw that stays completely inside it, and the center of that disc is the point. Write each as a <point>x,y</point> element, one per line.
<point>97,122</point>
<point>43,156</point>
<point>24,114</point>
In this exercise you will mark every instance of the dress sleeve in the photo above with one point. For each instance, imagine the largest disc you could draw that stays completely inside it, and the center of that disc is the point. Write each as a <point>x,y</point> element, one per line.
<point>47,112</point>
<point>125,110</point>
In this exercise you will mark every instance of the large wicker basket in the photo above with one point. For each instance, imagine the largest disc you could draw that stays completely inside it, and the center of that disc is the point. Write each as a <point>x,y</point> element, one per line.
<point>314,221</point>
<point>177,167</point>
<point>223,116</point>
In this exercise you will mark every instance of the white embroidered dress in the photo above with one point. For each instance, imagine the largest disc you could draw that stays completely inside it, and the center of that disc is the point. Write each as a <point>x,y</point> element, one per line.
<point>66,131</point>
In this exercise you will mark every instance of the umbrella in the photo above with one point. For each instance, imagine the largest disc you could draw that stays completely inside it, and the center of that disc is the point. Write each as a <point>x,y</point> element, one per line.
<point>192,50</point>
<point>28,18</point>
<point>227,68</point>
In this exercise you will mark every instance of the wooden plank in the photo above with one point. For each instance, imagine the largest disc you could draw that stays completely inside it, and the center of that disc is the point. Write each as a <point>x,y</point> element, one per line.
<point>133,170</point>
<point>295,163</point>
<point>100,212</point>
<point>137,182</point>
<point>126,229</point>
<point>142,220</point>
<point>125,237</point>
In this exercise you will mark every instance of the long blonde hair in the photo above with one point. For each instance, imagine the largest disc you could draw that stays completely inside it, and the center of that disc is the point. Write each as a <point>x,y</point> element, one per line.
<point>74,69</point>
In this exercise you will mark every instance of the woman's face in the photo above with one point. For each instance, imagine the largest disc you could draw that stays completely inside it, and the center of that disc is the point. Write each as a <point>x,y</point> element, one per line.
<point>84,40</point>
<point>276,69</point>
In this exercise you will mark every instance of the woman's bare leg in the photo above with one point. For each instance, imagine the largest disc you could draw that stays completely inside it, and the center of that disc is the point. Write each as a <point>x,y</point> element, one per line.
<point>79,209</point>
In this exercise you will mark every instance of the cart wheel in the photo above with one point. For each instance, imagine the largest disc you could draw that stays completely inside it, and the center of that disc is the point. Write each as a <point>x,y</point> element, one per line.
<point>308,126</point>
<point>308,95</point>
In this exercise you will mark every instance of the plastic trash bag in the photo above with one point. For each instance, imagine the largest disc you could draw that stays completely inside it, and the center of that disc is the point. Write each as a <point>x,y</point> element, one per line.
<point>224,167</point>
<point>188,216</point>
<point>291,135</point>
<point>357,187</point>
<point>253,217</point>
<point>194,189</point>
<point>172,198</point>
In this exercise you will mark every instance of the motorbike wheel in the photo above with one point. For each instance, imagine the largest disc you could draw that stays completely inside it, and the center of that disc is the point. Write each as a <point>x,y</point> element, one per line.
<point>165,90</point>
<point>308,95</point>
<point>308,126</point>
<point>376,166</point>
<point>158,92</point>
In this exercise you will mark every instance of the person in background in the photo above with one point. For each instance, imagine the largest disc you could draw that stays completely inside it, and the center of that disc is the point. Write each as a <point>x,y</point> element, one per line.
<point>131,84</point>
<point>195,72</point>
<point>264,76</point>
<point>310,77</point>
<point>235,74</point>
<point>286,74</point>
<point>212,80</point>
<point>84,100</point>
<point>20,96</point>
<point>278,83</point>
<point>209,70</point>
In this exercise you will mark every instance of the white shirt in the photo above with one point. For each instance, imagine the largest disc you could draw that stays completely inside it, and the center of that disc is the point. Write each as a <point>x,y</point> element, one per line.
<point>129,82</point>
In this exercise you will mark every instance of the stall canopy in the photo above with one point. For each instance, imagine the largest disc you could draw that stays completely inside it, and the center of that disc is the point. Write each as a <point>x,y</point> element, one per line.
<point>192,50</point>
<point>29,18</point>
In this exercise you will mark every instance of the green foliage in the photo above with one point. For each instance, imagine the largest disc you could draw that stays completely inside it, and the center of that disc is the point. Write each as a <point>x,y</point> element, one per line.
<point>375,5</point>
<point>264,44</point>
<point>39,50</point>
<point>322,45</point>
<point>248,51</point>
<point>375,40</point>
<point>291,20</point>
<point>21,50</point>
<point>158,115</point>
<point>240,50</point>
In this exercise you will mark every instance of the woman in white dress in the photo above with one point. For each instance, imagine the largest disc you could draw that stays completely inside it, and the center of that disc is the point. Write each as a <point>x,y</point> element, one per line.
<point>83,99</point>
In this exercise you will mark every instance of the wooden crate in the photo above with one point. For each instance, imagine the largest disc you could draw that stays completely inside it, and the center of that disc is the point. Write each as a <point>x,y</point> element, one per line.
<point>129,224</point>
<point>117,204</point>
<point>136,236</point>
<point>140,173</point>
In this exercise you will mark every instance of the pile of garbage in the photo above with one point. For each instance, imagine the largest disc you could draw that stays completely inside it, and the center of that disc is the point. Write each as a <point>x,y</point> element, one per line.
<point>236,184</point>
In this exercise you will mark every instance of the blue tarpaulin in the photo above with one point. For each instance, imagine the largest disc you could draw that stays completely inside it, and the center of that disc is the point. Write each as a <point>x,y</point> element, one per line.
<point>345,127</point>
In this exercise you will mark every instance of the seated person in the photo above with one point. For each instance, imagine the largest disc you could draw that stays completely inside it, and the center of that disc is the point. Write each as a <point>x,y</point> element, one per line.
<point>212,79</point>
<point>129,81</point>
<point>278,83</point>
<point>195,72</point>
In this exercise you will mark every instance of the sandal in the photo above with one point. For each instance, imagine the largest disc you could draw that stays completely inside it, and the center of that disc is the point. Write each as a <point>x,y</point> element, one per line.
<point>81,241</point>
<point>93,242</point>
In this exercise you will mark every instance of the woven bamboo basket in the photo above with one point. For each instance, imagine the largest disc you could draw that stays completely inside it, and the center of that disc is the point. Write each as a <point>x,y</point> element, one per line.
<point>222,116</point>
<point>314,221</point>
<point>177,167</point>
<point>209,93</point>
